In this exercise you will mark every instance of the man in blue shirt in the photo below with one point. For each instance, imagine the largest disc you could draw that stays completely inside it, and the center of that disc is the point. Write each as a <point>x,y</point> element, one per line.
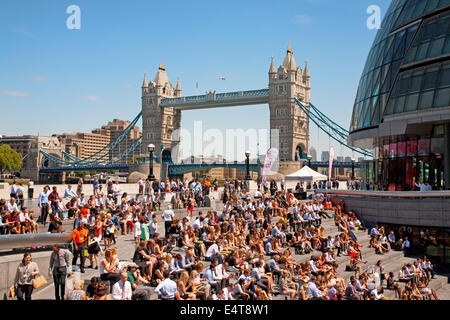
<point>95,184</point>
<point>43,204</point>
<point>374,231</point>
<point>210,276</point>
<point>167,289</point>
<point>313,291</point>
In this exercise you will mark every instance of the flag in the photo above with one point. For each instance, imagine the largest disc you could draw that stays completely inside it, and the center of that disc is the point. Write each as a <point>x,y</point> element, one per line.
<point>271,157</point>
<point>222,78</point>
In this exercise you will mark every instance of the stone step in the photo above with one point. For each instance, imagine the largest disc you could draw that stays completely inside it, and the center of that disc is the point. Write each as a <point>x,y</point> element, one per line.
<point>444,292</point>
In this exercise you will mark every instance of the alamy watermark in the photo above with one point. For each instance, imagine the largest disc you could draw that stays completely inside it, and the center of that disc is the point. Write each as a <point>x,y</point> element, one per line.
<point>74,20</point>
<point>233,144</point>
<point>374,20</point>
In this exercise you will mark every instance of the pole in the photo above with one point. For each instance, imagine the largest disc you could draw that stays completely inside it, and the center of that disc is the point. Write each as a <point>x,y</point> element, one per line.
<point>151,177</point>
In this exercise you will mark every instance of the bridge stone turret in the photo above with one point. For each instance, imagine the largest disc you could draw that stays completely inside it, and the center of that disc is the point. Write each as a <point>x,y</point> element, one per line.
<point>158,123</point>
<point>285,84</point>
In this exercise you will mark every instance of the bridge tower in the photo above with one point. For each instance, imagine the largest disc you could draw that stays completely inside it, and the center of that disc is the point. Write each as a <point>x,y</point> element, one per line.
<point>285,84</point>
<point>159,123</point>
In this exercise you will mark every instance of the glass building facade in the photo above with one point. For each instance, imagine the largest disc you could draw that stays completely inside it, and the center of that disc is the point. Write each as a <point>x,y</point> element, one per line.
<point>402,103</point>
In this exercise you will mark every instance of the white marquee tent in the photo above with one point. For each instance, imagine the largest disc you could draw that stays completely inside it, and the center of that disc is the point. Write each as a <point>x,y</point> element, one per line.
<point>305,174</point>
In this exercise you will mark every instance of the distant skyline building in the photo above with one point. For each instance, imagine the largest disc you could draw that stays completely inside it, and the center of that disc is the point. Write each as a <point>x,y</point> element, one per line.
<point>29,147</point>
<point>325,156</point>
<point>86,144</point>
<point>313,153</point>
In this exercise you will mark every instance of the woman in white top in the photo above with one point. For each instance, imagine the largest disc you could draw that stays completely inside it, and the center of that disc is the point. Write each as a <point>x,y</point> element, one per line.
<point>109,270</point>
<point>137,231</point>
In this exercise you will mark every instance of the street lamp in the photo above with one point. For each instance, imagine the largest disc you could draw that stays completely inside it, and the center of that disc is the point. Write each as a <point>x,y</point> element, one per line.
<point>151,148</point>
<point>309,160</point>
<point>353,169</point>
<point>247,164</point>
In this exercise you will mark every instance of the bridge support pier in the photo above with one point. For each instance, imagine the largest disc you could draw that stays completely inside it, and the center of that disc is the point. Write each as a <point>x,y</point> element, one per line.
<point>144,169</point>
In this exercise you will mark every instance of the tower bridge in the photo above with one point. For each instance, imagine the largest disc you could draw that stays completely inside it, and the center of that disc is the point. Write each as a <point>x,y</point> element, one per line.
<point>288,97</point>
<point>163,103</point>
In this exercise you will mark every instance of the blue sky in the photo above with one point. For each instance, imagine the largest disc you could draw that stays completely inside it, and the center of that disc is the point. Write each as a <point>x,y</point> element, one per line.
<point>55,80</point>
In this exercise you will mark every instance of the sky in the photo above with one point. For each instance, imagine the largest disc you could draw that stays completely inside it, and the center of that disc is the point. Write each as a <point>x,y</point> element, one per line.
<point>57,80</point>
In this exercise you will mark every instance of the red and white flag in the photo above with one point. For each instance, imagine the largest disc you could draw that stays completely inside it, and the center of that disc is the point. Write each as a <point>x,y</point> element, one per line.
<point>222,78</point>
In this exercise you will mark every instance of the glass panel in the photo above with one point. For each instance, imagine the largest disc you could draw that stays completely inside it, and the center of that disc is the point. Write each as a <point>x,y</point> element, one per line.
<point>410,55</point>
<point>432,31</point>
<point>442,98</point>
<point>388,51</point>
<point>383,100</point>
<point>400,104</point>
<point>412,148</point>
<point>399,45</point>
<point>423,147</point>
<point>438,130</point>
<point>403,85</point>
<point>410,36</point>
<point>376,114</point>
<point>411,102</point>
<point>401,149</point>
<point>418,10</point>
<point>437,145</point>
<point>416,83</point>
<point>386,151</point>
<point>430,78</point>
<point>422,51</point>
<point>436,47</point>
<point>392,150</point>
<point>390,106</point>
<point>443,3</point>
<point>447,45</point>
<point>431,5</point>
<point>426,99</point>
<point>445,78</point>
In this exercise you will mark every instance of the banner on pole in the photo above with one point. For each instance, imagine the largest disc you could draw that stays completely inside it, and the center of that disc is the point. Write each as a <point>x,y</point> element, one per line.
<point>270,159</point>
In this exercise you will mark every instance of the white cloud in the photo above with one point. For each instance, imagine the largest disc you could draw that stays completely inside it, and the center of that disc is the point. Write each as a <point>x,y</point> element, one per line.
<point>302,19</point>
<point>38,78</point>
<point>15,93</point>
<point>91,98</point>
<point>23,32</point>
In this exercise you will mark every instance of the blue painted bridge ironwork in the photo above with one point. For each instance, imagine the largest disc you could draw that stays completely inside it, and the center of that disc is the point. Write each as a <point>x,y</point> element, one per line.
<point>85,168</point>
<point>176,169</point>
<point>218,100</point>
<point>336,164</point>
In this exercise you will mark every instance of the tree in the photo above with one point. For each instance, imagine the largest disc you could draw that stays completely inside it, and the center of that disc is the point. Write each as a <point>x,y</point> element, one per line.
<point>10,160</point>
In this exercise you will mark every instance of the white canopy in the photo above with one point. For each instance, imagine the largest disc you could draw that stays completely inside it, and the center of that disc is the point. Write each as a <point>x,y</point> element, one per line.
<point>306,173</point>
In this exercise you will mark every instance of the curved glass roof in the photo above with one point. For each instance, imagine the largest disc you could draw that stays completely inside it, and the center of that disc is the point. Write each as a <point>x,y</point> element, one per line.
<point>413,33</point>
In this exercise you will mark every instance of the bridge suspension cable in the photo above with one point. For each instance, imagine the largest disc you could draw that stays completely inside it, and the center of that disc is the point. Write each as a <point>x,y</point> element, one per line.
<point>335,132</point>
<point>104,155</point>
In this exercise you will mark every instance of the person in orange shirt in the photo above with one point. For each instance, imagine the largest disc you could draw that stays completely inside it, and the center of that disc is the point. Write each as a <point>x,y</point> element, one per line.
<point>79,236</point>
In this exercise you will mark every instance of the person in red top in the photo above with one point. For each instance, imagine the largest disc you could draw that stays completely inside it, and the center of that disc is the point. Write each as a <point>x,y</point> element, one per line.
<point>79,236</point>
<point>54,201</point>
<point>85,211</point>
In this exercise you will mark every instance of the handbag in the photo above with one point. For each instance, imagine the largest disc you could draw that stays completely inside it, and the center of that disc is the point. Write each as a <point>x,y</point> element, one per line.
<point>12,292</point>
<point>39,282</point>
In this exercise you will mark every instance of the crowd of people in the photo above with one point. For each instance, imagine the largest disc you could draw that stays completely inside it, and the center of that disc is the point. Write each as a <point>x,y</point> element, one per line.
<point>243,252</point>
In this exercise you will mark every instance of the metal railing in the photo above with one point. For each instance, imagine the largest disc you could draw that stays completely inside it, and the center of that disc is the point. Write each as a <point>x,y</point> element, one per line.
<point>17,241</point>
<point>386,194</point>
